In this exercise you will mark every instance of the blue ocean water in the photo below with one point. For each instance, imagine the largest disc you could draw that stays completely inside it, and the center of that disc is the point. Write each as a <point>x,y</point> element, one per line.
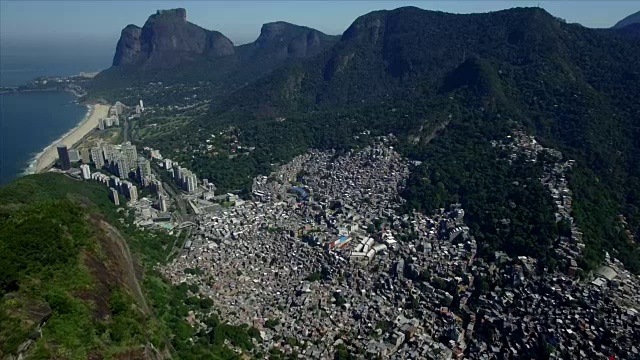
<point>30,121</point>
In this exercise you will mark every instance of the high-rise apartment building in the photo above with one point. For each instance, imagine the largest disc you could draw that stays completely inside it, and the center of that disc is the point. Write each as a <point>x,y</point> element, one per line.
<point>97,157</point>
<point>177,174</point>
<point>144,171</point>
<point>162,202</point>
<point>74,155</point>
<point>109,152</point>
<point>63,154</point>
<point>86,172</point>
<point>85,155</point>
<point>191,182</point>
<point>131,191</point>
<point>122,167</point>
<point>114,196</point>
<point>130,154</point>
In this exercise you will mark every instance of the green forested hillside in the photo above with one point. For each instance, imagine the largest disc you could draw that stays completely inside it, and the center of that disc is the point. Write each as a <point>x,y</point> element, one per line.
<point>407,70</point>
<point>73,264</point>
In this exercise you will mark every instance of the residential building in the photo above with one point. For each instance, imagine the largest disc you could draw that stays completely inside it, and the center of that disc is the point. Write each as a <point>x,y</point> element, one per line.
<point>74,155</point>
<point>122,168</point>
<point>162,202</point>
<point>86,173</point>
<point>98,157</point>
<point>144,171</point>
<point>115,197</point>
<point>85,155</point>
<point>63,154</point>
<point>130,154</point>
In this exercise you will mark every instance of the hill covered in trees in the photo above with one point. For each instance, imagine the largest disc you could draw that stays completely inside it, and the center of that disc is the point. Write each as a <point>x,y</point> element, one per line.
<point>77,281</point>
<point>416,73</point>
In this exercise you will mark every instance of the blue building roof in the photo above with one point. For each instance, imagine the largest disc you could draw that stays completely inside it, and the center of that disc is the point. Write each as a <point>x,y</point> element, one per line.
<point>300,191</point>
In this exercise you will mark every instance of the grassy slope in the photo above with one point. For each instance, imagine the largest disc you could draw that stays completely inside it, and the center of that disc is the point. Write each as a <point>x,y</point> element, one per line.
<point>64,251</point>
<point>60,258</point>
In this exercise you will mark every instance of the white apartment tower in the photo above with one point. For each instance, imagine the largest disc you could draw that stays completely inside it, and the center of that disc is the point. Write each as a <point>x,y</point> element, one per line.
<point>114,197</point>
<point>86,173</point>
<point>191,182</point>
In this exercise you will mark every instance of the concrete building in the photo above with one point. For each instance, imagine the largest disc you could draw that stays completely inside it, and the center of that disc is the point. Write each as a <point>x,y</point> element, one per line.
<point>85,155</point>
<point>191,182</point>
<point>122,168</point>
<point>144,171</point>
<point>177,174</point>
<point>86,173</point>
<point>119,108</point>
<point>162,202</point>
<point>74,155</point>
<point>109,152</point>
<point>130,154</point>
<point>97,157</point>
<point>130,190</point>
<point>115,197</point>
<point>63,155</point>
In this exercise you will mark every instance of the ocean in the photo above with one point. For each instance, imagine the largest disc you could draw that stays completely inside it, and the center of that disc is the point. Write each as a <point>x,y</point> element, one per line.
<point>31,121</point>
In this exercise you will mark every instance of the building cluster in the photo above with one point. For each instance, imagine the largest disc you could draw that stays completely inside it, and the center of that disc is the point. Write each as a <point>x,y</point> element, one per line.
<point>107,122</point>
<point>322,258</point>
<point>116,184</point>
<point>185,178</point>
<point>124,162</point>
<point>570,244</point>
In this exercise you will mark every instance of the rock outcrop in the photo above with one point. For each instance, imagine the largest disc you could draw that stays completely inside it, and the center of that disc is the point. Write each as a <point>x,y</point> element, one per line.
<point>168,39</point>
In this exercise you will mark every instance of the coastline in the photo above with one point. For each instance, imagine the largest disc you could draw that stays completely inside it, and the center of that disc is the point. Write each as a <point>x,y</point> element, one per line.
<point>43,160</point>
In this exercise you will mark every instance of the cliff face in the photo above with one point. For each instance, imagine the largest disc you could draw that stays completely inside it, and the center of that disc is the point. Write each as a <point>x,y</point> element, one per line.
<point>168,39</point>
<point>170,49</point>
<point>629,20</point>
<point>283,40</point>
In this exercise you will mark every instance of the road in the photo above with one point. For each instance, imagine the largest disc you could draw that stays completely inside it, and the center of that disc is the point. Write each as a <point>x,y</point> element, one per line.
<point>180,203</point>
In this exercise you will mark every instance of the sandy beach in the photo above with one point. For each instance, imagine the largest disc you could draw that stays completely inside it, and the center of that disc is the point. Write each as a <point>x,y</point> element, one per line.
<point>50,154</point>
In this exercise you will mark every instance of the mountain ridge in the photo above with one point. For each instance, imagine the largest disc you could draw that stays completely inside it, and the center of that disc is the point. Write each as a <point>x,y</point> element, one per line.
<point>168,39</point>
<point>170,49</point>
<point>631,19</point>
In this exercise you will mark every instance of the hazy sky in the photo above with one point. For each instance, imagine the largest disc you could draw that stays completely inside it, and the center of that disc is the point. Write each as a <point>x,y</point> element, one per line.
<point>100,22</point>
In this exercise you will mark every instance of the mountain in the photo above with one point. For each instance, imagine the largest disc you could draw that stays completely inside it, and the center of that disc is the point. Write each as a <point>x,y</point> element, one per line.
<point>395,51</point>
<point>631,19</point>
<point>420,73</point>
<point>170,49</point>
<point>168,39</point>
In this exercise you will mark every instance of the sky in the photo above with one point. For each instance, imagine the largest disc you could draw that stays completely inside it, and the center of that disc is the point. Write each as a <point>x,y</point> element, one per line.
<point>91,28</point>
